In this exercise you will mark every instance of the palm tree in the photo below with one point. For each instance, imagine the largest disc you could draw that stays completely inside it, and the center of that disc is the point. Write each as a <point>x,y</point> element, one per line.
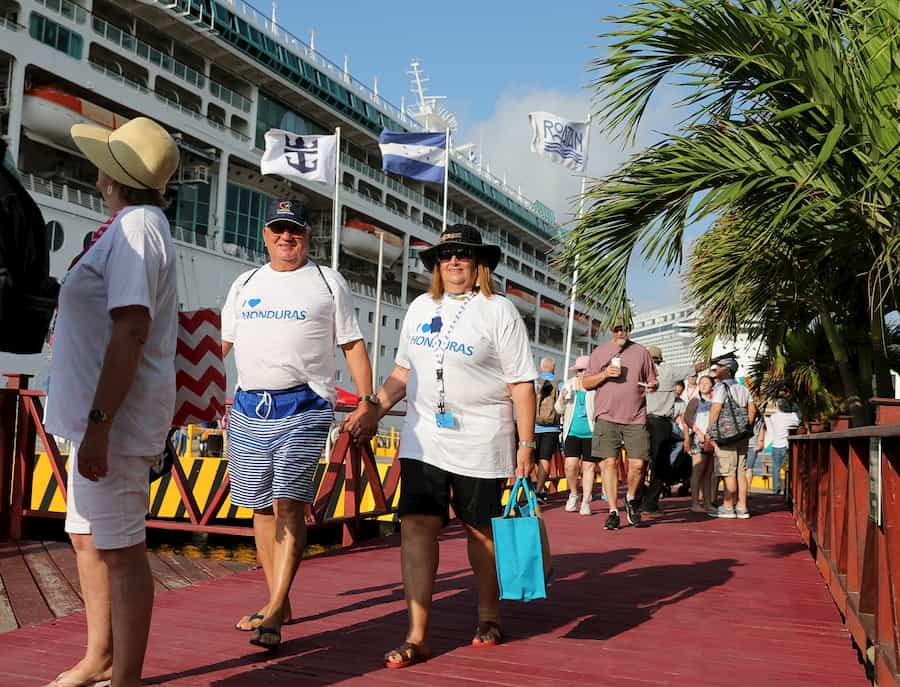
<point>792,128</point>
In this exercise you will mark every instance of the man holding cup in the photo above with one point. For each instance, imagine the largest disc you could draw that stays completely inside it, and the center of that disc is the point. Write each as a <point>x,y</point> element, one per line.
<point>621,371</point>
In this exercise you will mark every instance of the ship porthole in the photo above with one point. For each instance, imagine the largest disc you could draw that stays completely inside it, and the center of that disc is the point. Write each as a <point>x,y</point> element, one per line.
<point>55,235</point>
<point>87,240</point>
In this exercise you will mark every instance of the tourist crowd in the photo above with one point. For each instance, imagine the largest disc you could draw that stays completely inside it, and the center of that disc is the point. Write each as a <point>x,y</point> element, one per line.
<point>478,410</point>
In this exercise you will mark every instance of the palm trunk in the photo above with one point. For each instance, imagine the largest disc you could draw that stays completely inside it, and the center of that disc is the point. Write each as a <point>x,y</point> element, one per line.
<point>848,376</point>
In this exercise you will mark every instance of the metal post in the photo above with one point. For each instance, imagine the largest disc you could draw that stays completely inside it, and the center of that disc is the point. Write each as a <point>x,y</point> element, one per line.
<point>376,339</point>
<point>336,208</point>
<point>446,180</point>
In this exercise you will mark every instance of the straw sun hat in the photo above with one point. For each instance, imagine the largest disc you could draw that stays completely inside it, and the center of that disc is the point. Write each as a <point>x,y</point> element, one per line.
<point>139,154</point>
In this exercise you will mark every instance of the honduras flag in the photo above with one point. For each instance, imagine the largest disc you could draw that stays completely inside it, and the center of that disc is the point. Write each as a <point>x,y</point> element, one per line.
<point>417,156</point>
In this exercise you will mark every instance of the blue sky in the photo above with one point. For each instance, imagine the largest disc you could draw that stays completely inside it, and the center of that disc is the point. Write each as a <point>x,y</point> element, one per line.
<point>495,60</point>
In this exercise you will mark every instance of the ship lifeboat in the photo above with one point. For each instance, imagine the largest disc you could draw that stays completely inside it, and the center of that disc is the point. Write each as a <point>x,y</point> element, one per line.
<point>551,313</point>
<point>524,301</point>
<point>418,275</point>
<point>360,239</point>
<point>48,114</point>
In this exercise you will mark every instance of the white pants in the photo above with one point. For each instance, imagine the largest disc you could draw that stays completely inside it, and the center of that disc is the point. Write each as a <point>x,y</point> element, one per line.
<point>112,509</point>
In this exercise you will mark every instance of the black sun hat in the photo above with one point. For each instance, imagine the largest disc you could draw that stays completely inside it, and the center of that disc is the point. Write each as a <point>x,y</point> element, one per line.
<point>462,235</point>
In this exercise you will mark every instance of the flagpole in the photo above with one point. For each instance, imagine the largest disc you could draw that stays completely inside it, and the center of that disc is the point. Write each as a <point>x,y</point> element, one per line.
<point>336,209</point>
<point>571,323</point>
<point>446,179</point>
<point>376,339</point>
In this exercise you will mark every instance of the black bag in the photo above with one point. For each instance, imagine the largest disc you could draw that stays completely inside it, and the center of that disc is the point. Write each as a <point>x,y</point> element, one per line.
<point>166,459</point>
<point>733,423</point>
<point>27,291</point>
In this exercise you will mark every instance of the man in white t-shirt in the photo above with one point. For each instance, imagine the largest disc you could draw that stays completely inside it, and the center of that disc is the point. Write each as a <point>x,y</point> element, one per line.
<point>776,430</point>
<point>284,320</point>
<point>730,397</point>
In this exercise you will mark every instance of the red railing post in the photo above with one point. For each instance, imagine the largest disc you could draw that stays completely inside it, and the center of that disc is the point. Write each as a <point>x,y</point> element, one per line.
<point>9,404</point>
<point>23,462</point>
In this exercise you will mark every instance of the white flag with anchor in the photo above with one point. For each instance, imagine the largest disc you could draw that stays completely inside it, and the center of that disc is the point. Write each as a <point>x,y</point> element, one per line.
<point>298,156</point>
<point>559,140</point>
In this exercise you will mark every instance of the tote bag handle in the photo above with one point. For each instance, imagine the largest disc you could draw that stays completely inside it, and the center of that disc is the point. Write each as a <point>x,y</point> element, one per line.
<point>525,484</point>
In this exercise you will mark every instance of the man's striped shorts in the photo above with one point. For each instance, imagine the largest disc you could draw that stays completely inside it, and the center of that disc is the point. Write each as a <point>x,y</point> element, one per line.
<point>275,441</point>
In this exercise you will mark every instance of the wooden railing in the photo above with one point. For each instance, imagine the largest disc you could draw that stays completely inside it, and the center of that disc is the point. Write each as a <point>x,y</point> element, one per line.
<point>349,471</point>
<point>853,534</point>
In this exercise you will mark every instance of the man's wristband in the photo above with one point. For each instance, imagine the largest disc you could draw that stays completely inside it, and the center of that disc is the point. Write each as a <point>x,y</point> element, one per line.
<point>370,398</point>
<point>528,444</point>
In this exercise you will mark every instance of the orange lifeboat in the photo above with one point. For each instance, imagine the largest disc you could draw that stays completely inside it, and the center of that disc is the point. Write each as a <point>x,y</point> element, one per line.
<point>48,114</point>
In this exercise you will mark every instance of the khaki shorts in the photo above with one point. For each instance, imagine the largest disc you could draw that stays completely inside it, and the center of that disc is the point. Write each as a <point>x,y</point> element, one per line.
<point>609,437</point>
<point>731,460</point>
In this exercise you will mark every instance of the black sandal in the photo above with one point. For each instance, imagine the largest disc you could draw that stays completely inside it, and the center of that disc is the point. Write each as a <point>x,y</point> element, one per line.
<point>264,631</point>
<point>250,619</point>
<point>488,634</point>
<point>409,654</point>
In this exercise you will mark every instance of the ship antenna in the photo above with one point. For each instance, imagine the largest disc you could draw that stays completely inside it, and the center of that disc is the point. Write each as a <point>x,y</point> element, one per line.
<point>274,14</point>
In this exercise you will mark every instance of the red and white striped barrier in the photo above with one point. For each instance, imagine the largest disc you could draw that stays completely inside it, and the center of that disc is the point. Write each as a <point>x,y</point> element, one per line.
<point>199,368</point>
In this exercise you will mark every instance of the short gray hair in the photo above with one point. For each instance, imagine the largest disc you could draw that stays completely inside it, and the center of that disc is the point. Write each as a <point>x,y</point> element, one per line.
<point>548,364</point>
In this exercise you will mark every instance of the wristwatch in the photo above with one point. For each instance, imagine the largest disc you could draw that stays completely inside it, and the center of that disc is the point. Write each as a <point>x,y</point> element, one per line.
<point>371,398</point>
<point>528,444</point>
<point>99,417</point>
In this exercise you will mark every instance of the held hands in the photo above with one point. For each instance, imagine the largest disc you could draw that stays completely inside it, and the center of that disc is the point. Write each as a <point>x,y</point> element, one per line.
<point>524,461</point>
<point>362,423</point>
<point>93,453</point>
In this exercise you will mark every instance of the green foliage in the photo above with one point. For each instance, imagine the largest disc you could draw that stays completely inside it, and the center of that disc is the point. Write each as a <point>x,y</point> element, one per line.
<point>791,141</point>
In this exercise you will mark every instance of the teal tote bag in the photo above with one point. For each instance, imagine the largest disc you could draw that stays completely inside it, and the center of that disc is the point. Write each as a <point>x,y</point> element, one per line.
<point>521,549</point>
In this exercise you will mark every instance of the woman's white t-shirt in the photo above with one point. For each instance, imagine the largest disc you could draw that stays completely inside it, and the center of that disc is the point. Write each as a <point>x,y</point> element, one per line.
<point>486,350</point>
<point>133,263</point>
<point>285,325</point>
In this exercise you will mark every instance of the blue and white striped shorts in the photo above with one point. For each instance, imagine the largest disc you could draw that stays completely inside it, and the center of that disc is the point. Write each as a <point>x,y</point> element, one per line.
<point>275,440</point>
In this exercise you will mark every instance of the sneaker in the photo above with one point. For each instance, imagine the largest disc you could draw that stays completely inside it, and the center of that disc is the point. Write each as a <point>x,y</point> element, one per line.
<point>585,508</point>
<point>603,497</point>
<point>723,512</point>
<point>712,511</point>
<point>632,512</point>
<point>612,522</point>
<point>697,508</point>
<point>572,503</point>
<point>742,513</point>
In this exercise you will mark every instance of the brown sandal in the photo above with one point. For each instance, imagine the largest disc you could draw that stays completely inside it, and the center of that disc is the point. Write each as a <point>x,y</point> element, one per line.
<point>409,654</point>
<point>488,634</point>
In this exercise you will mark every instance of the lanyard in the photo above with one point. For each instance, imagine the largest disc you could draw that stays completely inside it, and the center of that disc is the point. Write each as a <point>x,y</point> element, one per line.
<point>442,343</point>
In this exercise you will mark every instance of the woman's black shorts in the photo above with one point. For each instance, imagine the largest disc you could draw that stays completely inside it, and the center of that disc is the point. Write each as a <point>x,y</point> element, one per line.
<point>576,447</point>
<point>429,490</point>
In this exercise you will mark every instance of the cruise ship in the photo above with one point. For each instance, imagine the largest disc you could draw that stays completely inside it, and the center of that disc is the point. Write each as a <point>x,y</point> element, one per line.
<point>218,74</point>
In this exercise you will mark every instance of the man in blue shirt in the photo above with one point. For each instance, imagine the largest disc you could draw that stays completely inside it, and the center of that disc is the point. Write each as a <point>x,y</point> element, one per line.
<point>546,428</point>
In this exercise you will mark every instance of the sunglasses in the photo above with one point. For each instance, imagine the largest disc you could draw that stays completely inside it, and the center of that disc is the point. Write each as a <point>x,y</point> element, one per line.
<point>462,253</point>
<point>283,227</point>
<point>619,328</point>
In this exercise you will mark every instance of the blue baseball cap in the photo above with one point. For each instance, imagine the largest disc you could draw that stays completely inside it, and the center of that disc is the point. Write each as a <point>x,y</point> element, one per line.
<point>287,210</point>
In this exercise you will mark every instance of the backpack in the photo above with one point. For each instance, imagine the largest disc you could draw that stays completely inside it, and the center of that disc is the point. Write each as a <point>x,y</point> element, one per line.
<point>27,291</point>
<point>733,423</point>
<point>546,394</point>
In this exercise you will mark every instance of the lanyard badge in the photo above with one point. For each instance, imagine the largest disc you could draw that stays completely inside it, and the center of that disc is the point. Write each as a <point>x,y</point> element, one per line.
<point>443,417</point>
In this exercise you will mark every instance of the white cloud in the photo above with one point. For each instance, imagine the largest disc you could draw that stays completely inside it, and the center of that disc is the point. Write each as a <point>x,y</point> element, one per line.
<point>505,137</point>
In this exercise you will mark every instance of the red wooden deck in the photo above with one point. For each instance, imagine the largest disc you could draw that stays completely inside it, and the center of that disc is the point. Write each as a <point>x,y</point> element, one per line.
<point>687,601</point>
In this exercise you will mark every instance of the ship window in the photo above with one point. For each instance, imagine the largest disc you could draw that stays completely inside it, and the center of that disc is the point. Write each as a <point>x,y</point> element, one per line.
<point>87,240</point>
<point>396,325</point>
<point>382,350</point>
<point>56,36</point>
<point>55,235</point>
<point>244,216</point>
<point>271,114</point>
<point>371,317</point>
<point>337,375</point>
<point>384,320</point>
